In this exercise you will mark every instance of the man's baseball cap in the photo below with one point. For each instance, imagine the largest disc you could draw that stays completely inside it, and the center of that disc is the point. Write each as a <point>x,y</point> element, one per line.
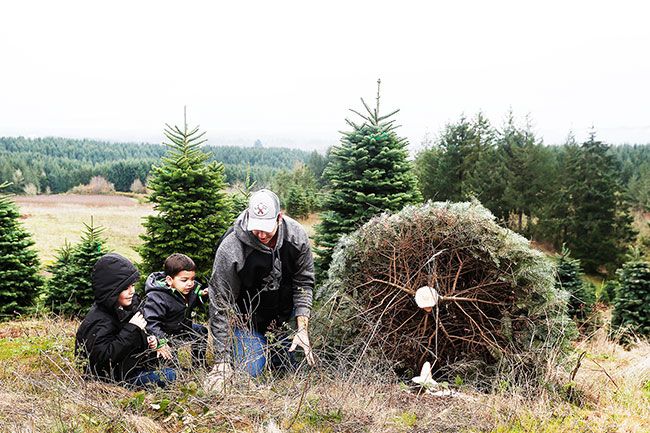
<point>263,211</point>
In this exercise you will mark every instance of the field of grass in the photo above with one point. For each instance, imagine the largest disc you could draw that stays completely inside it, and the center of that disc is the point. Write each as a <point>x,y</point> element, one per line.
<point>41,389</point>
<point>53,219</point>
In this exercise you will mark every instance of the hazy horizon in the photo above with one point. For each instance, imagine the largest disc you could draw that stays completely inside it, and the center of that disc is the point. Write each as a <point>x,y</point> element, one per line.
<point>288,73</point>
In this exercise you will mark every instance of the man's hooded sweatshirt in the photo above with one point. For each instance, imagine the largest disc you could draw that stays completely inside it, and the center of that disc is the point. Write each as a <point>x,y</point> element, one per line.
<point>259,287</point>
<point>113,347</point>
<point>168,311</point>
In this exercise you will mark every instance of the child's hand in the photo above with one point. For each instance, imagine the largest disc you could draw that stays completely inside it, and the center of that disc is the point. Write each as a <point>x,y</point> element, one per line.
<point>204,292</point>
<point>152,341</point>
<point>164,352</point>
<point>138,320</point>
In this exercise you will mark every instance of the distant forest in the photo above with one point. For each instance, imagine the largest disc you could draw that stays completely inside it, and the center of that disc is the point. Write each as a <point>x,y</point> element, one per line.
<point>56,165</point>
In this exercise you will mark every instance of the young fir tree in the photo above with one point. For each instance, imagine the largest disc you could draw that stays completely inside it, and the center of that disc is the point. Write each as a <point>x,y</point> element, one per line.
<point>297,203</point>
<point>193,209</point>
<point>445,169</point>
<point>367,173</point>
<point>19,262</point>
<point>69,290</point>
<point>582,296</point>
<point>526,183</point>
<point>240,198</point>
<point>631,314</point>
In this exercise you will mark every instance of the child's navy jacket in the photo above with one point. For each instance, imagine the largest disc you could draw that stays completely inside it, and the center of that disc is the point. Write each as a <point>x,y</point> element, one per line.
<point>168,312</point>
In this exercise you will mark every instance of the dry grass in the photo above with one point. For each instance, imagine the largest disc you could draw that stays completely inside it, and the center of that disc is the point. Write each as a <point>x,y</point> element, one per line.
<point>52,219</point>
<point>309,223</point>
<point>40,390</point>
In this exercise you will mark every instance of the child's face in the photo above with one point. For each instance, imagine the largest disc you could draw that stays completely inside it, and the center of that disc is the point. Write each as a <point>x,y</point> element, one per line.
<point>126,297</point>
<point>183,281</point>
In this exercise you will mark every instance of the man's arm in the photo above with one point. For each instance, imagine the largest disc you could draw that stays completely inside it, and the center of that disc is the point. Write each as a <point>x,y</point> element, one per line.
<point>303,279</point>
<point>303,288</point>
<point>223,288</point>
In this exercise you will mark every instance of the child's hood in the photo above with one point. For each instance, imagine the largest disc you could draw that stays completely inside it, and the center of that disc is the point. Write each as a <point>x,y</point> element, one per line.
<point>111,275</point>
<point>156,281</point>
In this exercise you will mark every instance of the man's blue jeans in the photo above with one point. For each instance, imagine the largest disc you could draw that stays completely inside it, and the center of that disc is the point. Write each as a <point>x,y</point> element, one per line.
<point>252,352</point>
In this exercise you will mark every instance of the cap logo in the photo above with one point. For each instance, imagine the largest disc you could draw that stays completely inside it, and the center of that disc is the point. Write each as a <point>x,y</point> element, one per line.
<point>260,210</point>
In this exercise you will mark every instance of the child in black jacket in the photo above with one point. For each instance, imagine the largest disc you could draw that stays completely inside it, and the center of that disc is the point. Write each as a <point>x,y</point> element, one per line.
<point>111,340</point>
<point>170,298</point>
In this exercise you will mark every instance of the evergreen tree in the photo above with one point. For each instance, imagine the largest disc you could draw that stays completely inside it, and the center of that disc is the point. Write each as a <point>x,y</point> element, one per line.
<point>631,313</point>
<point>367,173</point>
<point>525,173</point>
<point>582,296</point>
<point>193,210</point>
<point>557,213</point>
<point>600,225</point>
<point>298,186</point>
<point>608,292</point>
<point>69,290</point>
<point>297,203</point>
<point>317,164</point>
<point>447,170</point>
<point>639,188</point>
<point>464,163</point>
<point>19,262</point>
<point>241,197</point>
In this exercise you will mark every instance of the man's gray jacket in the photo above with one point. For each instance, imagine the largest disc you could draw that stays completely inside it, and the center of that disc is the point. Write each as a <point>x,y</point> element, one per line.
<point>256,287</point>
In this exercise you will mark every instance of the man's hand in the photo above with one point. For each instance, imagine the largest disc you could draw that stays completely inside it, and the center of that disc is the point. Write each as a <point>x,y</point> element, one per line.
<point>204,292</point>
<point>138,320</point>
<point>302,339</point>
<point>217,378</point>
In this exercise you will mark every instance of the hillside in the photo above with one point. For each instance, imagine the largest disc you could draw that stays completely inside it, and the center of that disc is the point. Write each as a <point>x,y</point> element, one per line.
<point>56,165</point>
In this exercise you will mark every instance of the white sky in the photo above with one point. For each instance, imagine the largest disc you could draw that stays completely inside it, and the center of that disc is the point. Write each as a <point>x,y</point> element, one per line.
<point>287,72</point>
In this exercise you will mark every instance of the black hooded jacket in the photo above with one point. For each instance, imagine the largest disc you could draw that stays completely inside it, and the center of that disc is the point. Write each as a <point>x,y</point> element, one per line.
<point>113,348</point>
<point>167,311</point>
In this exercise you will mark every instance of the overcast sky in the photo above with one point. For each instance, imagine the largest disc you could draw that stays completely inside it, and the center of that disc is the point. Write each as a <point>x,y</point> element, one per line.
<point>287,72</point>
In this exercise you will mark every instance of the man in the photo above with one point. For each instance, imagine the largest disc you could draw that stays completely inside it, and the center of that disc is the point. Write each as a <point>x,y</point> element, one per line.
<point>263,275</point>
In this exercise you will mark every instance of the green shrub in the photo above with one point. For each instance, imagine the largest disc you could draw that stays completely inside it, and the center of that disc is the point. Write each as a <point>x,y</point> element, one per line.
<point>631,315</point>
<point>581,294</point>
<point>69,290</point>
<point>19,264</point>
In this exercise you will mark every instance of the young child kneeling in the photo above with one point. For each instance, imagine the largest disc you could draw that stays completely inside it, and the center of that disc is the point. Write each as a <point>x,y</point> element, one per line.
<point>170,298</point>
<point>111,340</point>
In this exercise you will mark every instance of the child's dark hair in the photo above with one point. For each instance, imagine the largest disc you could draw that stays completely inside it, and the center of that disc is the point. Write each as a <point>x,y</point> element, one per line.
<point>177,263</point>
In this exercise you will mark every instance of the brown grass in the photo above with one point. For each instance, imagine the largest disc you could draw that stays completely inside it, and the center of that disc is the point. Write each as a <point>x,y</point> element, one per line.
<point>51,219</point>
<point>40,390</point>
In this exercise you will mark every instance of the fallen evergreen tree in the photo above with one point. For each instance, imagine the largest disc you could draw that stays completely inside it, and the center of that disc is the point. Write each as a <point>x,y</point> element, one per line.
<point>498,313</point>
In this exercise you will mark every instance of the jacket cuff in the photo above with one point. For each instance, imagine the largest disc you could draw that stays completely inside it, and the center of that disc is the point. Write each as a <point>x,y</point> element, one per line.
<point>131,327</point>
<point>302,311</point>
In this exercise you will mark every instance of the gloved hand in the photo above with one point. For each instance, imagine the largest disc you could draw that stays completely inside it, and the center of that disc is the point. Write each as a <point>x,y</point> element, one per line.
<point>217,378</point>
<point>302,339</point>
<point>138,320</point>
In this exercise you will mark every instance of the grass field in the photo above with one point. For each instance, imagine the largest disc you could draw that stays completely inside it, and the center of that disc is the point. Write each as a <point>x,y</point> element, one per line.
<point>53,219</point>
<point>41,389</point>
